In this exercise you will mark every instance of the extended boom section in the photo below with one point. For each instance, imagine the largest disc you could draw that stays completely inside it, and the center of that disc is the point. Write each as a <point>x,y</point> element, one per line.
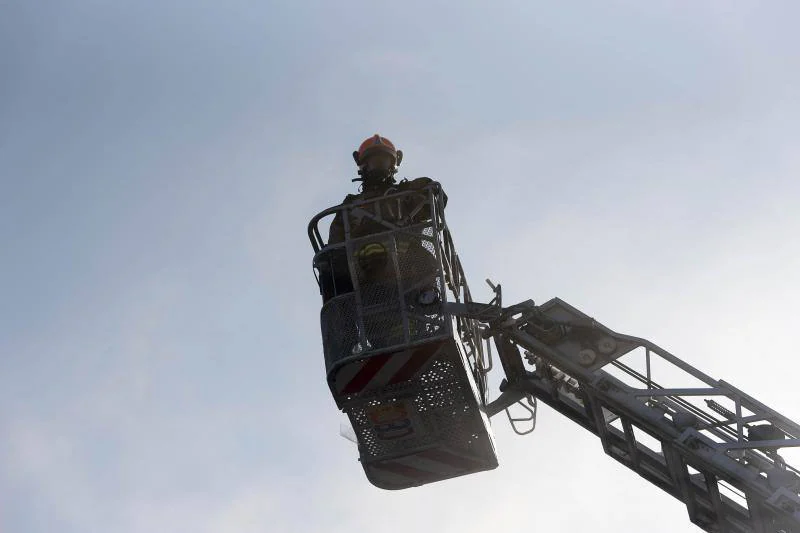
<point>701,440</point>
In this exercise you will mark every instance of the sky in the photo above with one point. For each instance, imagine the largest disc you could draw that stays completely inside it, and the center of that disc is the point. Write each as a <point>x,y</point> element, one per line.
<point>161,365</point>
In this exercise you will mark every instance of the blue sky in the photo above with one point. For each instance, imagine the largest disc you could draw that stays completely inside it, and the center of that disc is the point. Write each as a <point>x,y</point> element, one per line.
<point>160,358</point>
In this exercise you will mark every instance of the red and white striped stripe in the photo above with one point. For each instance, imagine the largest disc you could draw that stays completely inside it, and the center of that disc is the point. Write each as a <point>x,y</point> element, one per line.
<point>425,466</point>
<point>382,370</point>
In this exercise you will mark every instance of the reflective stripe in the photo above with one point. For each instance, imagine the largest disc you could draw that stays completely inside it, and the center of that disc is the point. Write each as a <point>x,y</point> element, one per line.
<point>379,371</point>
<point>376,248</point>
<point>373,248</point>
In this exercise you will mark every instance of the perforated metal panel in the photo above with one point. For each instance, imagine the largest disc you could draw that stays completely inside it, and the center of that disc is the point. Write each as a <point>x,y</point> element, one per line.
<point>440,403</point>
<point>385,309</point>
<point>338,319</point>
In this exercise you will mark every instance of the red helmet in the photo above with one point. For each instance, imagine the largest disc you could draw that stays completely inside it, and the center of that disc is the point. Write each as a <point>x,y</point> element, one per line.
<point>374,144</point>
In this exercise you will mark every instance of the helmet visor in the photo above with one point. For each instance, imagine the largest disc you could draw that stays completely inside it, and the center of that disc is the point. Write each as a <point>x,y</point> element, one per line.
<point>379,160</point>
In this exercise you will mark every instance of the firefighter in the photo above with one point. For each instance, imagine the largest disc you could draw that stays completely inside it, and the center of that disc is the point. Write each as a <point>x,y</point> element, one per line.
<point>377,160</point>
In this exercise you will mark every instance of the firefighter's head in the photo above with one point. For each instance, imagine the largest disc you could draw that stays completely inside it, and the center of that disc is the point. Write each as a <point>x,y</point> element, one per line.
<point>377,161</point>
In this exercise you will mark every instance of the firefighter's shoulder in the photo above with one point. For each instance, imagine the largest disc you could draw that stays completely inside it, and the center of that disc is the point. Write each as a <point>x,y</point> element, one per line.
<point>416,183</point>
<point>420,183</point>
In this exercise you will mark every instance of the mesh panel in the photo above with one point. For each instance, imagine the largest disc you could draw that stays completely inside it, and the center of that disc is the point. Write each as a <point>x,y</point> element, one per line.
<point>384,328</point>
<point>421,272</point>
<point>381,306</point>
<point>416,253</point>
<point>372,446</point>
<point>444,412</point>
<point>441,371</point>
<point>339,328</point>
<point>384,265</point>
<point>446,396</point>
<point>379,294</point>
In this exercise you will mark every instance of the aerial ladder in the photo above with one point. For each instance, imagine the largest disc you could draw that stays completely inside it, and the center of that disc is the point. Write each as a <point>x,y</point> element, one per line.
<point>688,440</point>
<point>701,440</point>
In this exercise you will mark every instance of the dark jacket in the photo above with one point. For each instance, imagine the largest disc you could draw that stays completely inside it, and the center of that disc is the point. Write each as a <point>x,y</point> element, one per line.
<point>366,226</point>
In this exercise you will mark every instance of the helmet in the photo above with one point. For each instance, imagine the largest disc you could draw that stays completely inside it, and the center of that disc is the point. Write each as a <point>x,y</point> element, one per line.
<point>376,143</point>
<point>373,145</point>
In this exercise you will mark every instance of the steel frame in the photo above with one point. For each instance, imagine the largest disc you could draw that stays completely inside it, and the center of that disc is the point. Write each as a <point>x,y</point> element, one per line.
<point>564,358</point>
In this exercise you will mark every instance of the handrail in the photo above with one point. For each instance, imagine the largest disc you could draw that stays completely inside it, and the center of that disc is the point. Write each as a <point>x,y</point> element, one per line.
<point>313,230</point>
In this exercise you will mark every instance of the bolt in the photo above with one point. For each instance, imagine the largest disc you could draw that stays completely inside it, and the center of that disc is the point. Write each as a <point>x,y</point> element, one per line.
<point>683,420</point>
<point>606,345</point>
<point>587,357</point>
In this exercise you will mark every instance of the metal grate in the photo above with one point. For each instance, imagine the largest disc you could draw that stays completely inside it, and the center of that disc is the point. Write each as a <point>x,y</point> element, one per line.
<point>373,447</point>
<point>442,407</point>
<point>383,316</point>
<point>339,328</point>
<point>442,370</point>
<point>384,328</point>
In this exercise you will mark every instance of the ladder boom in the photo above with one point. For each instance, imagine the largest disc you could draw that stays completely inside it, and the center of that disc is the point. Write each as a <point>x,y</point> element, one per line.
<point>691,439</point>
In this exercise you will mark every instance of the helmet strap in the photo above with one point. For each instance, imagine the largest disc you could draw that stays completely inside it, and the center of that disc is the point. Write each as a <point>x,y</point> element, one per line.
<point>372,179</point>
<point>376,179</point>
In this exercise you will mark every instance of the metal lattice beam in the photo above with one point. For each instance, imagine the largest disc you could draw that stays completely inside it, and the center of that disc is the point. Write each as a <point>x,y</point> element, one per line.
<point>560,340</point>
